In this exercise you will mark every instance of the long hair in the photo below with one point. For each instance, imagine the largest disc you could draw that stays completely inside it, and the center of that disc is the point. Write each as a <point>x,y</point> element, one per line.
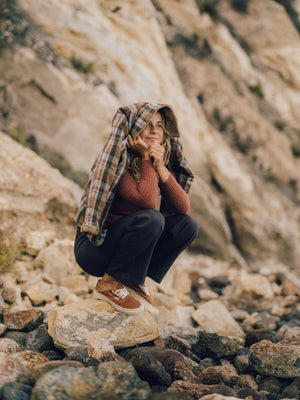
<point>134,165</point>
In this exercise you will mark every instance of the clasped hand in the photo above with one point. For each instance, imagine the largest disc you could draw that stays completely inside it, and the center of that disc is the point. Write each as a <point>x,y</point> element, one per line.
<point>155,152</point>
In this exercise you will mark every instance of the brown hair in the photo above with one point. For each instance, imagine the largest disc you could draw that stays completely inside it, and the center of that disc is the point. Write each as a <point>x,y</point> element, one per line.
<point>135,160</point>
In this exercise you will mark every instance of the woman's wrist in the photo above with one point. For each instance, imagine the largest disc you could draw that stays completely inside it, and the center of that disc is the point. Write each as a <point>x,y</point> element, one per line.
<point>163,173</point>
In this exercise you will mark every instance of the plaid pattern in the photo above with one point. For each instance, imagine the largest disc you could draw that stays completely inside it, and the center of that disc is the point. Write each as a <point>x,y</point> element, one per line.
<point>111,163</point>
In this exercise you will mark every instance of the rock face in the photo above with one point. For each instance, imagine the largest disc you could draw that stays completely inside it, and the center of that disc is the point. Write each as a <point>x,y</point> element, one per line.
<point>33,197</point>
<point>76,324</point>
<point>66,67</point>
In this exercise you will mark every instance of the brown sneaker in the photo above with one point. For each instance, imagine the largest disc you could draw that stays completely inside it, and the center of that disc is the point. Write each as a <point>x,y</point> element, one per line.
<point>141,293</point>
<point>120,299</point>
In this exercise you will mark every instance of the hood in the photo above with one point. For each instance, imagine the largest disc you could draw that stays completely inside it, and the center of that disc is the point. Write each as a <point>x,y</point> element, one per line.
<point>138,115</point>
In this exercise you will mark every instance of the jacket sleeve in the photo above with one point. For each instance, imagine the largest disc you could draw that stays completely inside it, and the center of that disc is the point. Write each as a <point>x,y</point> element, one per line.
<point>104,176</point>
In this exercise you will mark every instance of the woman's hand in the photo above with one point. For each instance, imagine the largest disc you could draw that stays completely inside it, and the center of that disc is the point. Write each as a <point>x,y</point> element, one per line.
<point>137,145</point>
<point>157,152</point>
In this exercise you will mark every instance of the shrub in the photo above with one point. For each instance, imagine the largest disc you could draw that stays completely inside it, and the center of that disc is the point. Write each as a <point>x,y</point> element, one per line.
<point>257,89</point>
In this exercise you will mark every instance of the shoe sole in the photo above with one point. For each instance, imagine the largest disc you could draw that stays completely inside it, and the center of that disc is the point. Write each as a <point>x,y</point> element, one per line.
<point>149,307</point>
<point>127,311</point>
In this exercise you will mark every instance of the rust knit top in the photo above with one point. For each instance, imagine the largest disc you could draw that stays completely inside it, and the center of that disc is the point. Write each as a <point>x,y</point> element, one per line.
<point>133,196</point>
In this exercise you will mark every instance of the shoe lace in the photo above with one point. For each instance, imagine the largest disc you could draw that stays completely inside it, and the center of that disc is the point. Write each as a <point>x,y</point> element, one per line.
<point>145,289</point>
<point>122,293</point>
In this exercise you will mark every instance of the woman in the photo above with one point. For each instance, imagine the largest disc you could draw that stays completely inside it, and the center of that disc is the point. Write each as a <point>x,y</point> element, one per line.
<point>121,236</point>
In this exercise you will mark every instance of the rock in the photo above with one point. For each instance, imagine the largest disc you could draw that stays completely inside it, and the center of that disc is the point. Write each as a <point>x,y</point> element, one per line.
<point>269,384</point>
<point>39,292</point>
<point>292,390</point>
<point>24,320</point>
<point>260,320</point>
<point>39,339</point>
<point>241,364</point>
<point>213,345</point>
<point>76,324</point>
<point>256,335</point>
<point>170,396</point>
<point>10,369</point>
<point>16,336</point>
<point>33,374</point>
<point>253,285</point>
<point>102,350</point>
<point>41,197</point>
<point>57,260</point>
<point>246,381</point>
<point>218,397</point>
<point>74,383</point>
<point>246,393</point>
<point>224,373</point>
<point>29,359</point>
<point>2,329</point>
<point>183,373</point>
<point>196,390</point>
<point>276,359</point>
<point>9,346</point>
<point>166,357</point>
<point>15,391</point>
<point>182,345</point>
<point>148,367</point>
<point>37,240</point>
<point>213,317</point>
<point>181,316</point>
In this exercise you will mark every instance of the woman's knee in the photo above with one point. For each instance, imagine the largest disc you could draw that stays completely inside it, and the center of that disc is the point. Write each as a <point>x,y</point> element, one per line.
<point>152,221</point>
<point>192,225</point>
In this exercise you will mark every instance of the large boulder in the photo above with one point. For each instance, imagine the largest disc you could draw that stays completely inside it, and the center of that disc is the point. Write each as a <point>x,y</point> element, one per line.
<point>78,323</point>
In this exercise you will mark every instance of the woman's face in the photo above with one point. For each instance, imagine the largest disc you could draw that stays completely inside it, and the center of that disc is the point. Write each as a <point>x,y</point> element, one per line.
<point>153,133</point>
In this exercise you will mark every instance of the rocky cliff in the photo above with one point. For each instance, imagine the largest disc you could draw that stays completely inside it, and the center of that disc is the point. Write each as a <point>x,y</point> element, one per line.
<point>228,68</point>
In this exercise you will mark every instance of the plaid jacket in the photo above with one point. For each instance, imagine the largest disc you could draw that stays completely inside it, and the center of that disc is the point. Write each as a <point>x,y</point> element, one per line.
<point>111,163</point>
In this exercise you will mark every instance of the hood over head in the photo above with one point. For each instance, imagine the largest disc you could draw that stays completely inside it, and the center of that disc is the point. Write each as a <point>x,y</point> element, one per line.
<point>138,115</point>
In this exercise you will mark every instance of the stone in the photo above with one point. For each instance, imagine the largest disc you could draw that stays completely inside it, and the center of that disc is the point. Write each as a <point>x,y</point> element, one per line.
<point>246,381</point>
<point>74,383</point>
<point>292,390</point>
<point>39,292</point>
<point>55,261</point>
<point>183,373</point>
<point>148,367</point>
<point>218,374</point>
<point>10,369</point>
<point>276,359</point>
<point>39,339</point>
<point>2,329</point>
<point>112,373</point>
<point>213,317</point>
<point>41,196</point>
<point>9,346</point>
<point>213,345</point>
<point>76,324</point>
<point>218,397</point>
<point>37,240</point>
<point>260,320</point>
<point>196,390</point>
<point>256,335</point>
<point>102,350</point>
<point>23,320</point>
<point>33,374</point>
<point>29,359</point>
<point>241,363</point>
<point>15,391</point>
<point>270,384</point>
<point>182,346</point>
<point>170,396</point>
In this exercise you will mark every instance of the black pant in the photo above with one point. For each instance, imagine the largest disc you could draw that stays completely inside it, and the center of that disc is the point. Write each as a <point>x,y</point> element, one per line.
<point>141,244</point>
